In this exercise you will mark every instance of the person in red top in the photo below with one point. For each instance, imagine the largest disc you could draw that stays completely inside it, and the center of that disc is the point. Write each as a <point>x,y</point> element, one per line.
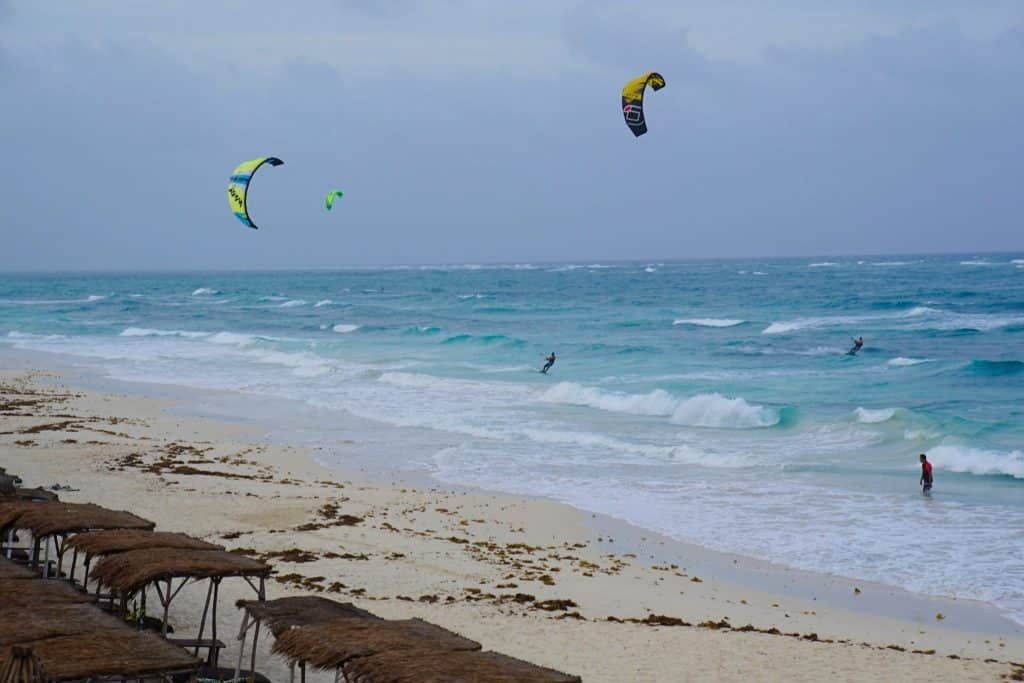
<point>926,473</point>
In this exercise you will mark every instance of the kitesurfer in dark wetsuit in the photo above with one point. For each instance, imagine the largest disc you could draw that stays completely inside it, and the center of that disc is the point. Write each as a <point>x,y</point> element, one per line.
<point>857,344</point>
<point>549,361</point>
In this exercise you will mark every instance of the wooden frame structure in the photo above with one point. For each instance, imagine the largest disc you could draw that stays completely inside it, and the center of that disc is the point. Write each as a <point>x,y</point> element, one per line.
<point>133,571</point>
<point>282,615</point>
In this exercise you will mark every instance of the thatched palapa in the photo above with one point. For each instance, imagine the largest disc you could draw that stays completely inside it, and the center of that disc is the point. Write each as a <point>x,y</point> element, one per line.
<point>22,667</point>
<point>131,570</point>
<point>411,666</point>
<point>46,519</point>
<point>285,614</point>
<point>121,540</point>
<point>11,510</point>
<point>21,624</point>
<point>331,644</point>
<point>118,652</point>
<point>29,594</point>
<point>10,570</point>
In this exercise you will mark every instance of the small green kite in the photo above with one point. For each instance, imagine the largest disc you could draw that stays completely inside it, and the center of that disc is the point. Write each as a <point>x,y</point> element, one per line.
<point>331,196</point>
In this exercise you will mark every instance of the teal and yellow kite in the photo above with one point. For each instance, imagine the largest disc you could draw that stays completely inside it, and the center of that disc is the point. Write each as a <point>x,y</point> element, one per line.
<point>238,187</point>
<point>633,100</point>
<point>331,196</point>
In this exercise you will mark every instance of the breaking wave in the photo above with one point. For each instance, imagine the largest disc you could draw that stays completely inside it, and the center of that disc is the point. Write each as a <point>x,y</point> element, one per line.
<point>709,322</point>
<point>702,410</point>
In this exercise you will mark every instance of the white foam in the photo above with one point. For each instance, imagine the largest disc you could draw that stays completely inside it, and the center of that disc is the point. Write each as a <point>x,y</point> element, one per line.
<point>95,297</point>
<point>204,290</point>
<point>148,332</point>
<point>822,264</point>
<point>900,361</point>
<point>343,329</point>
<point>322,302</point>
<point>709,322</point>
<point>293,303</point>
<point>649,269</point>
<point>715,410</point>
<point>702,410</point>
<point>759,272</point>
<point>14,334</point>
<point>965,459</point>
<point>472,296</point>
<point>1018,261</point>
<point>874,416</point>
<point>655,403</point>
<point>785,326</point>
<point>977,262</point>
<point>232,339</point>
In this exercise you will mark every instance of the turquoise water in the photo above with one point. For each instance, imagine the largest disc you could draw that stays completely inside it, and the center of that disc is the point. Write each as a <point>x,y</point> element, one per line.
<point>711,401</point>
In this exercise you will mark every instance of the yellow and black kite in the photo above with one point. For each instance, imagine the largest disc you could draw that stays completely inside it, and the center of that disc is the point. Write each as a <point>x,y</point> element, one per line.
<point>238,187</point>
<point>633,100</point>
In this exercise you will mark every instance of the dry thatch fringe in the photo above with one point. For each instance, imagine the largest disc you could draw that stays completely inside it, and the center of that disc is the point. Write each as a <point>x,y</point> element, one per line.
<point>11,509</point>
<point>120,540</point>
<point>20,625</point>
<point>129,571</point>
<point>284,614</point>
<point>116,652</point>
<point>9,570</point>
<point>32,593</point>
<point>330,644</point>
<point>22,666</point>
<point>44,519</point>
<point>412,666</point>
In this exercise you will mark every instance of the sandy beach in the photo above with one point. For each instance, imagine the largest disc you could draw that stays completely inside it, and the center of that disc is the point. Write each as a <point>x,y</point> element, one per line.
<point>532,578</point>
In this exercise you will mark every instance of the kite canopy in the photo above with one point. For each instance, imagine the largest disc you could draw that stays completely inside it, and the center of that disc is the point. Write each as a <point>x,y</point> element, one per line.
<point>633,100</point>
<point>331,196</point>
<point>238,188</point>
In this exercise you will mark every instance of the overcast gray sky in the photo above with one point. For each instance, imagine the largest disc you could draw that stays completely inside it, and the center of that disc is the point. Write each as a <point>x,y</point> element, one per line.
<point>476,130</point>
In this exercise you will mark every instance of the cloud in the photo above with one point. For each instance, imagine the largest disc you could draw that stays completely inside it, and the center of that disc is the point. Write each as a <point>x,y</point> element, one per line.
<point>893,143</point>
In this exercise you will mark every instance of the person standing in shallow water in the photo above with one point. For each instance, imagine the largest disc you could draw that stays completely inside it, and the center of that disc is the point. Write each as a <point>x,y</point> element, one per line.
<point>926,474</point>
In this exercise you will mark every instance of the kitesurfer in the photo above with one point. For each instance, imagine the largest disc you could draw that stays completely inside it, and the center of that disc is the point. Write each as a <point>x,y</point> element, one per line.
<point>926,474</point>
<point>548,362</point>
<point>857,344</point>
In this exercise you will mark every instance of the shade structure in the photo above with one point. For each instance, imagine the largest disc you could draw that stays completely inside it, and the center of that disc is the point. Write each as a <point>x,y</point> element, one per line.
<point>31,593</point>
<point>131,570</point>
<point>121,540</point>
<point>284,614</point>
<point>411,666</point>
<point>331,644</point>
<point>119,652</point>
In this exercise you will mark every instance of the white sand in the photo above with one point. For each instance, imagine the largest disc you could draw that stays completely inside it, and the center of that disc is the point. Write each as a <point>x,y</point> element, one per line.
<point>459,558</point>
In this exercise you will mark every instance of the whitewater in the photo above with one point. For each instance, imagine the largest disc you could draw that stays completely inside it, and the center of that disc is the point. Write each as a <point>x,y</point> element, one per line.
<point>692,399</point>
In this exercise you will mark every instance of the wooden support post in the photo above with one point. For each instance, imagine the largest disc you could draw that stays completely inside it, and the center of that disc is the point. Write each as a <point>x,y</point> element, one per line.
<point>214,654</point>
<point>202,620</point>
<point>241,642</point>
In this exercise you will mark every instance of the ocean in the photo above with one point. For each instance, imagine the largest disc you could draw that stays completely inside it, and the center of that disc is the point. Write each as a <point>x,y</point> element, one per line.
<point>711,401</point>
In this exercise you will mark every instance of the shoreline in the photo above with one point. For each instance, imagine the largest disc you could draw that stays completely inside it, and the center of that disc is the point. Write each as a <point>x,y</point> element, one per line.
<point>637,575</point>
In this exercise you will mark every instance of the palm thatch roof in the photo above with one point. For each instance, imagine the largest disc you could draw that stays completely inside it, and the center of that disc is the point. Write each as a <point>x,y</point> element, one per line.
<point>29,594</point>
<point>120,540</point>
<point>284,614</point>
<point>22,667</point>
<point>10,570</point>
<point>20,624</point>
<point>129,571</point>
<point>412,666</point>
<point>330,644</point>
<point>11,509</point>
<point>45,519</point>
<point>119,652</point>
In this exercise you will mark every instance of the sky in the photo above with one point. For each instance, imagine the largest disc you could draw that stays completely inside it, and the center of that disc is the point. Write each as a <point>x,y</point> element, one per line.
<point>470,131</point>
